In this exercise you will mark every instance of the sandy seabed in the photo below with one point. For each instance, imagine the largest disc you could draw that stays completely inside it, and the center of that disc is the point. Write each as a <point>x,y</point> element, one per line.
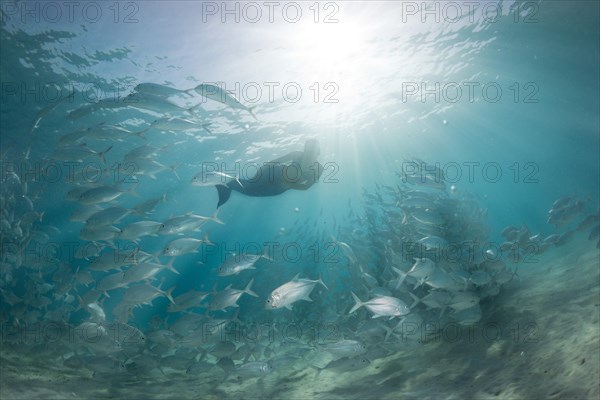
<point>539,339</point>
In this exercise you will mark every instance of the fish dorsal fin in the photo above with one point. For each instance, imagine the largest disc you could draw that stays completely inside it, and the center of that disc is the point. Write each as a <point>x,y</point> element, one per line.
<point>295,278</point>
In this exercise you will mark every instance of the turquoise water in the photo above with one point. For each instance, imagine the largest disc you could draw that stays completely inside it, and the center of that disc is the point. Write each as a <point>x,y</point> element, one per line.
<point>501,97</point>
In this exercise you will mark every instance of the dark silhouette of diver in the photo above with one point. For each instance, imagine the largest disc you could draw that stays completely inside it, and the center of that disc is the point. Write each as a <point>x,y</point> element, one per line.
<point>297,170</point>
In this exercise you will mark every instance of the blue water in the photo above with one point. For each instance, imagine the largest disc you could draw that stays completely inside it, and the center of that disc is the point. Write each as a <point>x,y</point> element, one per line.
<point>510,114</point>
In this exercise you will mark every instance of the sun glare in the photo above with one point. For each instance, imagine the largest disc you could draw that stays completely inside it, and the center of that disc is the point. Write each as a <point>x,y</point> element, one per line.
<point>329,48</point>
<point>334,54</point>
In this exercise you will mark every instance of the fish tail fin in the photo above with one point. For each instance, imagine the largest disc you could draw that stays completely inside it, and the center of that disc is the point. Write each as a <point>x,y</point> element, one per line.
<point>443,311</point>
<point>142,133</point>
<point>403,276</point>
<point>189,91</point>
<point>206,126</point>
<point>169,295</point>
<point>155,256</point>
<point>215,218</point>
<point>248,289</point>
<point>103,153</point>
<point>192,110</point>
<point>416,300</point>
<point>321,282</point>
<point>80,303</point>
<point>170,266</point>
<point>251,111</point>
<point>133,192</point>
<point>224,194</point>
<point>265,254</point>
<point>174,169</point>
<point>207,240</point>
<point>318,371</point>
<point>515,274</point>
<point>389,331</point>
<point>358,304</point>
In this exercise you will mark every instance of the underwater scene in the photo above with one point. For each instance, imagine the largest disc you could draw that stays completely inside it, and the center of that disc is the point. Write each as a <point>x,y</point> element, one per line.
<point>300,200</point>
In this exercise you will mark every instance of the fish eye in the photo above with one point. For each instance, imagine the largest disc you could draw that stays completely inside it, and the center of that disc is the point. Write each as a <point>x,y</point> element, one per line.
<point>269,300</point>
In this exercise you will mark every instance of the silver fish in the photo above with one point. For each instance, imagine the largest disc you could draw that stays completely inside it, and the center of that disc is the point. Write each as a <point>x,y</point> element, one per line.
<point>186,223</point>
<point>143,166</point>
<point>111,282</point>
<point>82,213</point>
<point>346,364</point>
<point>105,233</point>
<point>111,215</point>
<point>148,206</point>
<point>187,300</point>
<point>139,229</point>
<point>184,246</point>
<point>78,153</point>
<point>152,102</point>
<point>211,178</point>
<point>463,300</point>
<point>217,93</point>
<point>345,348</point>
<point>110,132</point>
<point>146,270</point>
<point>93,107</point>
<point>160,90</point>
<point>228,297</point>
<point>291,292</point>
<point>442,280</point>
<point>144,293</point>
<point>175,124</point>
<point>421,269</point>
<point>239,262</point>
<point>145,151</point>
<point>480,278</point>
<point>383,306</point>
<point>103,194</point>
<point>253,369</point>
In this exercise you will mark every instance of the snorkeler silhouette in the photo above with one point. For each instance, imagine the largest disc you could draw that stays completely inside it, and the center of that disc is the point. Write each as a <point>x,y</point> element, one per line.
<point>297,170</point>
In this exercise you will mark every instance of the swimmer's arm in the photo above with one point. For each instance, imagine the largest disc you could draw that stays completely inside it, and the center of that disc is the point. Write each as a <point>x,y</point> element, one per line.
<point>311,179</point>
